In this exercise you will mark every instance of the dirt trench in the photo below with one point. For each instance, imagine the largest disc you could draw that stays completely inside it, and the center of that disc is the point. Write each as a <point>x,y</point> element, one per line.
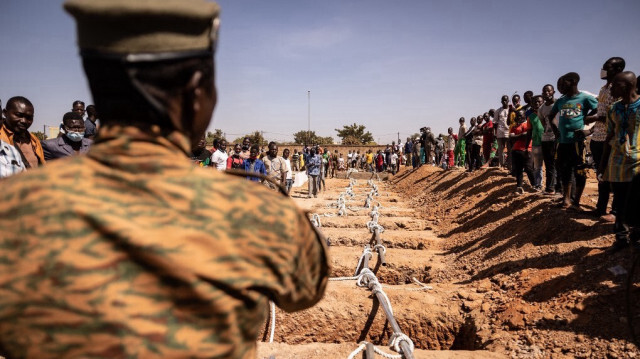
<point>437,320</point>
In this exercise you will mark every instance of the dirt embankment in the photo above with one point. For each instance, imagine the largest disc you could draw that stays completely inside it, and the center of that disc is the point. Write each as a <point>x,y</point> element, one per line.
<point>544,272</point>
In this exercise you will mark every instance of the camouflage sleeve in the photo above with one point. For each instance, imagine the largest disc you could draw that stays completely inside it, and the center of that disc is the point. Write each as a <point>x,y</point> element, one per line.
<point>309,271</point>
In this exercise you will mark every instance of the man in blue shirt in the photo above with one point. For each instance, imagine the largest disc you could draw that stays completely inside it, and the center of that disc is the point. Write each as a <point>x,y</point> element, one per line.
<point>408,148</point>
<point>573,107</point>
<point>313,170</point>
<point>254,165</point>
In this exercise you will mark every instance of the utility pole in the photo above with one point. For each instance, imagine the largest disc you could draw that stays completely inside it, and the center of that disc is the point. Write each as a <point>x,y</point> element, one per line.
<point>308,117</point>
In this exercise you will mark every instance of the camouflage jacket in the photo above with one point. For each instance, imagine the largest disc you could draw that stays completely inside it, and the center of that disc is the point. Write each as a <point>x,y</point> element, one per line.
<point>133,252</point>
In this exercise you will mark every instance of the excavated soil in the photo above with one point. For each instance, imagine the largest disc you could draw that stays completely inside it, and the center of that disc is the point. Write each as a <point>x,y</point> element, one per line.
<point>326,350</point>
<point>546,273</point>
<point>511,275</point>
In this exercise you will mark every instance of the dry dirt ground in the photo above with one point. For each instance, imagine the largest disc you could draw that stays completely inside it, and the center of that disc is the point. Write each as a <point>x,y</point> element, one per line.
<point>512,275</point>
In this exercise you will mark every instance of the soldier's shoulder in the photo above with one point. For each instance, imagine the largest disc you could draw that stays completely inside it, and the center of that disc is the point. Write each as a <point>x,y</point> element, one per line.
<point>237,188</point>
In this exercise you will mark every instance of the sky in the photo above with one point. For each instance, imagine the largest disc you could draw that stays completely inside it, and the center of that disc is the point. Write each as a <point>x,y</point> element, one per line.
<point>393,66</point>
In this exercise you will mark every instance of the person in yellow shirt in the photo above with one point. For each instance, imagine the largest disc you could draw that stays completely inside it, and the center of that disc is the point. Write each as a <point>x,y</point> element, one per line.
<point>370,160</point>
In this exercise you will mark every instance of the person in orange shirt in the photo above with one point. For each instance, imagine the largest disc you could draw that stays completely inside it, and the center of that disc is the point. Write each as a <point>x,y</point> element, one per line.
<point>18,116</point>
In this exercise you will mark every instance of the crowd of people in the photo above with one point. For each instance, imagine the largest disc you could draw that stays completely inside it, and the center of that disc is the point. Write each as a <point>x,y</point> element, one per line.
<point>546,138</point>
<point>22,150</point>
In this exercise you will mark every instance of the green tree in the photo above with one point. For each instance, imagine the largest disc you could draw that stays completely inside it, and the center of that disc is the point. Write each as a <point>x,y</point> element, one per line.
<point>256,138</point>
<point>355,134</point>
<point>41,136</point>
<point>214,135</point>
<point>310,137</point>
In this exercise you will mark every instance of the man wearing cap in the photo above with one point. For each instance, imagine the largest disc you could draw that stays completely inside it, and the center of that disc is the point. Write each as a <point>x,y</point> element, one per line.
<point>131,251</point>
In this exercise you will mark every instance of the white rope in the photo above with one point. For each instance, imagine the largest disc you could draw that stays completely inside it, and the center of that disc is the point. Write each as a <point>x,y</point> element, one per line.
<point>365,252</point>
<point>337,279</point>
<point>273,321</point>
<point>315,220</point>
<point>377,350</point>
<point>342,210</point>
<point>373,226</point>
<point>374,217</point>
<point>397,338</point>
<point>358,350</point>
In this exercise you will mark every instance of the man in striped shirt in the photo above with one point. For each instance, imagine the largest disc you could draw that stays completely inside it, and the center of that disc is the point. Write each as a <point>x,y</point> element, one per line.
<point>610,69</point>
<point>621,160</point>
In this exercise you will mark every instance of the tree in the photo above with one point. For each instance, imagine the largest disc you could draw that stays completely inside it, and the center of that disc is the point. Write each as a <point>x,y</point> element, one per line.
<point>40,135</point>
<point>256,138</point>
<point>214,135</point>
<point>355,134</point>
<point>310,137</point>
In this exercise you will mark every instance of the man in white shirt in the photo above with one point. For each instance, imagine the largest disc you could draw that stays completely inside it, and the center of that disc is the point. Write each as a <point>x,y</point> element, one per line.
<point>287,167</point>
<point>394,162</point>
<point>501,126</point>
<point>219,157</point>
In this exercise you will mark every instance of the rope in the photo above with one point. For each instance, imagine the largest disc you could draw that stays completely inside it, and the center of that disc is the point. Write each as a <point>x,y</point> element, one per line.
<point>315,220</point>
<point>369,280</point>
<point>273,321</point>
<point>396,338</point>
<point>358,350</point>
<point>342,211</point>
<point>337,279</point>
<point>378,351</point>
<point>373,226</point>
<point>365,252</point>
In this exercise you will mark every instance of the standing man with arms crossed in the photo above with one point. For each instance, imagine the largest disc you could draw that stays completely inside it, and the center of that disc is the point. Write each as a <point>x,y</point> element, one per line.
<point>573,107</point>
<point>181,261</point>
<point>610,69</point>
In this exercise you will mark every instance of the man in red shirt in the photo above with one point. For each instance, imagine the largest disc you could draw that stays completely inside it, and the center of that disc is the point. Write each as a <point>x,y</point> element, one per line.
<point>520,133</point>
<point>487,137</point>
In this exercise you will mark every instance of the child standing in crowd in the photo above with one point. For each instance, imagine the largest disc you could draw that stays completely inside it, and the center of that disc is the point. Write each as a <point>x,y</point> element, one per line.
<point>537,129</point>
<point>520,133</point>
<point>476,159</point>
<point>487,137</point>
<point>295,161</point>
<point>379,161</point>
<point>451,145</point>
<point>460,145</point>
<point>468,138</point>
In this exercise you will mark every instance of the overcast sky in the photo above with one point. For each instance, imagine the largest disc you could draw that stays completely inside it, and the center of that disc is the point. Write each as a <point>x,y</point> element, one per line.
<point>393,66</point>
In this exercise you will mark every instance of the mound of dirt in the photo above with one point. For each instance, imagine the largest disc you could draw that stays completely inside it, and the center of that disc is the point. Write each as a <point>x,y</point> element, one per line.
<point>544,272</point>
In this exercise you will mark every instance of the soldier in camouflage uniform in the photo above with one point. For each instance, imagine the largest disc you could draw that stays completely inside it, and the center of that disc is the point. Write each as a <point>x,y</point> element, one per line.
<point>132,251</point>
